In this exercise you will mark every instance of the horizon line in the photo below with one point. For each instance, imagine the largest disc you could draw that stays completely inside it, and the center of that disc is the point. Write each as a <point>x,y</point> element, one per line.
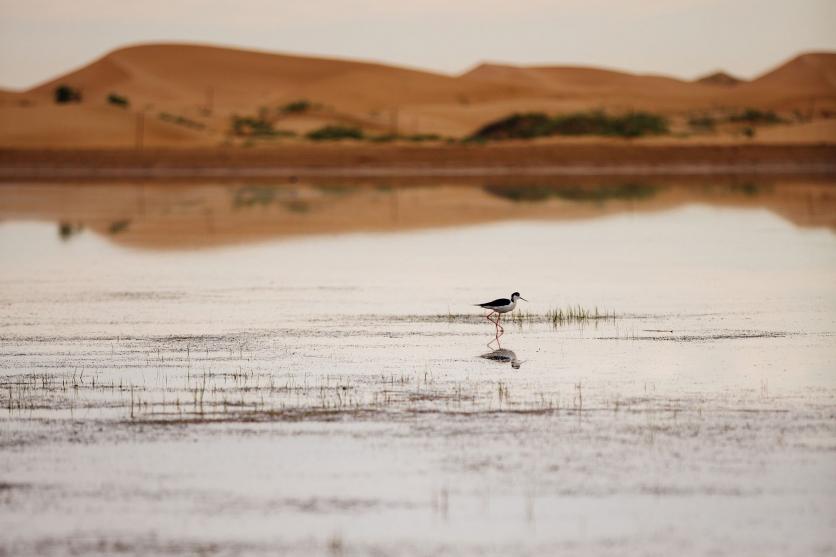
<point>409,67</point>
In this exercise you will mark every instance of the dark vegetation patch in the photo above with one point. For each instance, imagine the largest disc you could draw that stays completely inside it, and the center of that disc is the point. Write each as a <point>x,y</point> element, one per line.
<point>180,121</point>
<point>755,116</point>
<point>702,123</point>
<point>118,100</point>
<point>297,107</point>
<point>119,226</point>
<point>417,137</point>
<point>598,194</point>
<point>256,126</point>
<point>749,116</point>
<point>336,133</point>
<point>516,126</point>
<point>67,230</point>
<point>537,124</point>
<point>66,94</point>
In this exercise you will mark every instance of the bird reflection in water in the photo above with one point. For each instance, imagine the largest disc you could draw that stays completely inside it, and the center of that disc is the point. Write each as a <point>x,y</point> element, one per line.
<point>504,356</point>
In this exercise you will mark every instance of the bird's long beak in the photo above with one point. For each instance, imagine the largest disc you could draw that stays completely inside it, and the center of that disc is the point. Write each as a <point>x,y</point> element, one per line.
<point>521,298</point>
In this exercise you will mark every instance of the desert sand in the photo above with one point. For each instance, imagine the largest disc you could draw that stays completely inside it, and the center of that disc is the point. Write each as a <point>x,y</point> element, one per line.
<point>185,96</point>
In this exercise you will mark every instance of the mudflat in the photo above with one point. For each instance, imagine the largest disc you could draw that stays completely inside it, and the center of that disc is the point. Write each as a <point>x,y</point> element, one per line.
<point>298,368</point>
<point>560,158</point>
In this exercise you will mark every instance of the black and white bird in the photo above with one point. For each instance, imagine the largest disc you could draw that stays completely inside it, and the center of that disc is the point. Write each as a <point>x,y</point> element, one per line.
<point>500,306</point>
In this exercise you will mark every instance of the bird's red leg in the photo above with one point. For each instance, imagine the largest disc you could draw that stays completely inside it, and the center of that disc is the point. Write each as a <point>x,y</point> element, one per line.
<point>500,329</point>
<point>498,345</point>
<point>496,338</point>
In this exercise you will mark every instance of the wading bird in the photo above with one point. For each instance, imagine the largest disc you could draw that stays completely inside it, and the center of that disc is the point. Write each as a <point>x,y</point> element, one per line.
<point>498,307</point>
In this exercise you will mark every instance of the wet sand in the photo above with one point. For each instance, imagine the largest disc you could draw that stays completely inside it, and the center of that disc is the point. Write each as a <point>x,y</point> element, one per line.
<point>333,394</point>
<point>575,158</point>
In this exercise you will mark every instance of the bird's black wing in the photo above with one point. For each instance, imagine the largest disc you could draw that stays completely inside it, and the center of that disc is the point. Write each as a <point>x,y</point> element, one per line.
<point>496,303</point>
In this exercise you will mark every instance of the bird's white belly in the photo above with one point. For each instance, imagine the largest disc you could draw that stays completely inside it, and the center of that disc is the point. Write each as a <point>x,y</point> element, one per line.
<point>505,309</point>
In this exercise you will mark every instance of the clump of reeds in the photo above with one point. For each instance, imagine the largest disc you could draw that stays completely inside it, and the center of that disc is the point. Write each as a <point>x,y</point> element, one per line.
<point>561,316</point>
<point>522,317</point>
<point>577,313</point>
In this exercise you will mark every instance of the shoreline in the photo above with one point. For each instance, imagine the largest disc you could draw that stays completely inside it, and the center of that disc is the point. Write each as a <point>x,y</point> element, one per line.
<point>363,161</point>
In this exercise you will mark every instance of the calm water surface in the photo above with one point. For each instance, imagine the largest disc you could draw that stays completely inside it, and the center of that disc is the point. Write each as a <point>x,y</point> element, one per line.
<point>298,368</point>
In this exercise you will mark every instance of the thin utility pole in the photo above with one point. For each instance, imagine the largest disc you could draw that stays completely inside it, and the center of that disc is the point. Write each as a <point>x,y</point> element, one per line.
<point>393,121</point>
<point>210,100</point>
<point>140,129</point>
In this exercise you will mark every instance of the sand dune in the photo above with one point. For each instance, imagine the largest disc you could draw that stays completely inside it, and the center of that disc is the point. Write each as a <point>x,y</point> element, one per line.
<point>801,83</point>
<point>721,79</point>
<point>245,80</point>
<point>189,93</point>
<point>56,126</point>
<point>574,88</point>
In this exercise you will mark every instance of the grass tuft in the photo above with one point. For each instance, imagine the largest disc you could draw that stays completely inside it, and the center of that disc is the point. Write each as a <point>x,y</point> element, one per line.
<point>296,107</point>
<point>118,100</point>
<point>564,316</point>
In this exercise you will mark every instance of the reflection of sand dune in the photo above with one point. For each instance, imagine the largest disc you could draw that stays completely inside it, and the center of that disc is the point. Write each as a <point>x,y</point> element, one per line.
<point>204,86</point>
<point>168,216</point>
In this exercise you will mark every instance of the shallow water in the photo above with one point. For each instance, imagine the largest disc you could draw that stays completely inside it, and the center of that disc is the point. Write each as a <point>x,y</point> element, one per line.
<point>303,371</point>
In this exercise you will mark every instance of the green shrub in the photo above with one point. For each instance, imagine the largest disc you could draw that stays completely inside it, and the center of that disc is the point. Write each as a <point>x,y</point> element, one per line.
<point>67,94</point>
<point>637,124</point>
<point>67,230</point>
<point>633,124</point>
<point>385,138</point>
<point>118,100</point>
<point>119,226</point>
<point>296,106</point>
<point>537,124</point>
<point>417,137</point>
<point>516,126</point>
<point>250,125</point>
<point>335,133</point>
<point>705,123</point>
<point>755,116</point>
<point>581,123</point>
<point>180,121</point>
<point>256,126</point>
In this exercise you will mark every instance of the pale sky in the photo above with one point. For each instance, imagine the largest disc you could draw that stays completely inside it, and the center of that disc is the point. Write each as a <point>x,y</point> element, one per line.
<point>40,39</point>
